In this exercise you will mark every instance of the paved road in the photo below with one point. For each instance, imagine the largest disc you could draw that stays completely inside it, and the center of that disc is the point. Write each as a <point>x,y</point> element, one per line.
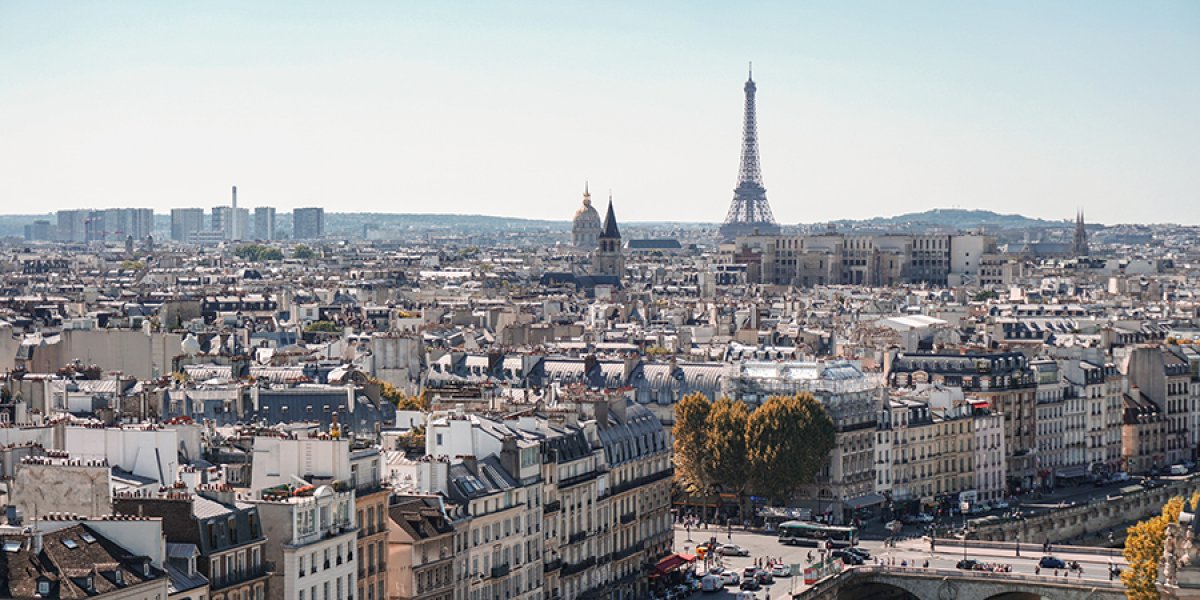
<point>914,551</point>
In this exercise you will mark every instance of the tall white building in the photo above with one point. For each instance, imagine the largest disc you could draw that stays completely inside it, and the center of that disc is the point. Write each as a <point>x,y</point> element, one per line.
<point>312,536</point>
<point>990,466</point>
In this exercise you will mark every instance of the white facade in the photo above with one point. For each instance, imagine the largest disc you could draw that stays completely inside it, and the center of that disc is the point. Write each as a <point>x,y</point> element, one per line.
<point>147,452</point>
<point>990,466</point>
<point>279,461</point>
<point>313,545</point>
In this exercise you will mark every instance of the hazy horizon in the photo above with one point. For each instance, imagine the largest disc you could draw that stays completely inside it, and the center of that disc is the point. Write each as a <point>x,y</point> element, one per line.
<point>505,110</point>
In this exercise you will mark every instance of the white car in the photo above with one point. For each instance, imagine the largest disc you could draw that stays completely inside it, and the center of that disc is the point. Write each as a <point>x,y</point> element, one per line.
<point>1001,505</point>
<point>711,583</point>
<point>730,578</point>
<point>733,550</point>
<point>781,571</point>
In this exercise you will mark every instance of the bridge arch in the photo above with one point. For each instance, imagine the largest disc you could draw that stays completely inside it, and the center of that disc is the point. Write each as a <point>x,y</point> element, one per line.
<point>875,590</point>
<point>1015,596</point>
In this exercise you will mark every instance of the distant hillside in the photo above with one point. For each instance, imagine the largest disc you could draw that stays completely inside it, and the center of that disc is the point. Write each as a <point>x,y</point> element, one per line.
<point>955,218</point>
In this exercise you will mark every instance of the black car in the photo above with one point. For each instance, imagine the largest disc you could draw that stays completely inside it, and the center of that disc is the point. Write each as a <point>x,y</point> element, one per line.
<point>967,564</point>
<point>849,558</point>
<point>1052,562</point>
<point>751,584</point>
<point>862,553</point>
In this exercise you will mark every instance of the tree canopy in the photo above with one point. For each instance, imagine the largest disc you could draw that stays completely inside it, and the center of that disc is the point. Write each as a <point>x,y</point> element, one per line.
<point>787,441</point>
<point>323,327</point>
<point>1144,549</point>
<point>725,444</point>
<point>257,253</point>
<point>691,433</point>
<point>403,401</point>
<point>303,252</point>
<point>773,450</point>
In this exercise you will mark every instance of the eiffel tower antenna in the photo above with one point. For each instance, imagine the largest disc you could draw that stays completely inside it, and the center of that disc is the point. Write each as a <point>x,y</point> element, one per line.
<point>749,211</point>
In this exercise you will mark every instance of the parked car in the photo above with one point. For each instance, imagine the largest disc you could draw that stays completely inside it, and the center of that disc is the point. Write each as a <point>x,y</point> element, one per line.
<point>1000,505</point>
<point>751,584</point>
<point>849,558</point>
<point>733,550</point>
<point>967,564</point>
<point>1179,470</point>
<point>1052,562</point>
<point>711,583</point>
<point>781,571</point>
<point>730,578</point>
<point>924,518</point>
<point>764,577</point>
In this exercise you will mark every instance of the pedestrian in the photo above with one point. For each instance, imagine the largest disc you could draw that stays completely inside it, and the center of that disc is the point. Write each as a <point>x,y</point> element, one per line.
<point>1037,569</point>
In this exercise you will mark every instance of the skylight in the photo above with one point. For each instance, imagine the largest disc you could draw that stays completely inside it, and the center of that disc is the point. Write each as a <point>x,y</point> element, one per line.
<point>70,543</point>
<point>11,546</point>
<point>87,537</point>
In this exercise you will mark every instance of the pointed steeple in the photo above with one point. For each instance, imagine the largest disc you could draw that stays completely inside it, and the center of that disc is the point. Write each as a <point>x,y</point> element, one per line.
<point>610,229</point>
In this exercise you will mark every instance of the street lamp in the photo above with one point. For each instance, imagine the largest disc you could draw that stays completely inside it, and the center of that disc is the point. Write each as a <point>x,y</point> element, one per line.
<point>965,507</point>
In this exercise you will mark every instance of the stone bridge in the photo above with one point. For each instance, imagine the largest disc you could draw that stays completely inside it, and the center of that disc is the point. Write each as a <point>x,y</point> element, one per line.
<point>1077,521</point>
<point>891,583</point>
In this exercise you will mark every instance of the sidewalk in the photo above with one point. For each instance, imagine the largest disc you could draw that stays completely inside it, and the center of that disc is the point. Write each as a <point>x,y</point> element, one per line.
<point>1034,553</point>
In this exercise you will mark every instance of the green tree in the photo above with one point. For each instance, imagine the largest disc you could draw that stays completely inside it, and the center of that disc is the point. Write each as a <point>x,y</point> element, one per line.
<point>323,327</point>
<point>788,439</point>
<point>132,265</point>
<point>303,252</point>
<point>725,445</point>
<point>982,295</point>
<point>1144,549</point>
<point>691,432</point>
<point>257,253</point>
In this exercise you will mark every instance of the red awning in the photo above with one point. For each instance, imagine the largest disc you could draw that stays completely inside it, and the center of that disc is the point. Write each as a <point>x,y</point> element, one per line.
<point>673,562</point>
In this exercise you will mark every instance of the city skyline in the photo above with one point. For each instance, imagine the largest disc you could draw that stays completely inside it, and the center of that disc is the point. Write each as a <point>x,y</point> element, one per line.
<point>1026,109</point>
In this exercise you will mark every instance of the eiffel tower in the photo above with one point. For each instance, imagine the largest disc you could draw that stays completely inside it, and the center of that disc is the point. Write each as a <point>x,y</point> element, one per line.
<point>749,212</point>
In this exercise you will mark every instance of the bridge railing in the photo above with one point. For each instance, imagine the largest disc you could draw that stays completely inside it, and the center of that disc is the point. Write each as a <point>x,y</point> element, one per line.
<point>822,587</point>
<point>1032,549</point>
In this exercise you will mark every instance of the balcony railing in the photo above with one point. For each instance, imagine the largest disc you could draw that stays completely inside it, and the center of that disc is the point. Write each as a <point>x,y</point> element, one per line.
<point>627,552</point>
<point>578,479</point>
<point>639,482</point>
<point>242,576</point>
<point>573,568</point>
<point>577,537</point>
<point>628,517</point>
<point>500,570</point>
<point>551,507</point>
<point>552,565</point>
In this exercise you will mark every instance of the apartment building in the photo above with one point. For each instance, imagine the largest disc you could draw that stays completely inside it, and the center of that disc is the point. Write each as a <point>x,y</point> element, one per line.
<point>491,474</point>
<point>1002,380</point>
<point>421,546</point>
<point>226,532</point>
<point>313,542</point>
<point>281,459</point>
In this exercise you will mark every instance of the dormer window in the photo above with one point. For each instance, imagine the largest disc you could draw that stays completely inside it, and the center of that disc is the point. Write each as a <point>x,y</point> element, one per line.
<point>43,588</point>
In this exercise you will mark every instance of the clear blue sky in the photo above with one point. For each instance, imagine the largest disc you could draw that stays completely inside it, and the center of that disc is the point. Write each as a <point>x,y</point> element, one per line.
<point>865,108</point>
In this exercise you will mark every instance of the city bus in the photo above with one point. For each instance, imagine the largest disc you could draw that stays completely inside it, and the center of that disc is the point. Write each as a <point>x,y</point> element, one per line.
<point>804,533</point>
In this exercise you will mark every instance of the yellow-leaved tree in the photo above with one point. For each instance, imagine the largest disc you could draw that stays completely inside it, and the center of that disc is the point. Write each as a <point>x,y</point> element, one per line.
<point>1144,549</point>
